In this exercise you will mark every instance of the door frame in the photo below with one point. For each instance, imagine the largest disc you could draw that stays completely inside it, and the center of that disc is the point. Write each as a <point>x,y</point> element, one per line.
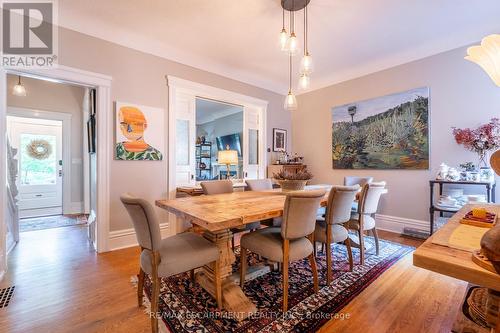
<point>65,118</point>
<point>176,86</point>
<point>102,84</point>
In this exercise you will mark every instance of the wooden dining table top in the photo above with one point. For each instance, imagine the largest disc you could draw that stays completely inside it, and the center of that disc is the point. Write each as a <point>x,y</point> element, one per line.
<point>433,255</point>
<point>230,210</point>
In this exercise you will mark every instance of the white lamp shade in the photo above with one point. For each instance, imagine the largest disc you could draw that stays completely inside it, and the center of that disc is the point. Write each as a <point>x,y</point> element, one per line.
<point>283,40</point>
<point>487,55</point>
<point>19,90</point>
<point>290,102</point>
<point>227,157</point>
<point>306,64</point>
<point>304,82</point>
<point>292,44</point>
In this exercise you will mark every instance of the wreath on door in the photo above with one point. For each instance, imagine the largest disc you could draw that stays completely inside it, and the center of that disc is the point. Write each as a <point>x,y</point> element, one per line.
<point>39,149</point>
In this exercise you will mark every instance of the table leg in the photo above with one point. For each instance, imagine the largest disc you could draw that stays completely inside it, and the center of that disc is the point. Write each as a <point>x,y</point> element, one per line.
<point>233,298</point>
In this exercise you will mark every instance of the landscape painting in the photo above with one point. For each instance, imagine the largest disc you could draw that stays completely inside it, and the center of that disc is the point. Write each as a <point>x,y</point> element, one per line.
<point>389,132</point>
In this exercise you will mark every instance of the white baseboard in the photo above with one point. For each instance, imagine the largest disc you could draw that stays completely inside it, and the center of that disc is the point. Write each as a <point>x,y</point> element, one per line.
<point>397,224</point>
<point>121,239</point>
<point>39,212</point>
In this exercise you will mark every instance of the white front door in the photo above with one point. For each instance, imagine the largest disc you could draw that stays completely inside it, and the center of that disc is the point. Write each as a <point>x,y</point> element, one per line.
<point>39,144</point>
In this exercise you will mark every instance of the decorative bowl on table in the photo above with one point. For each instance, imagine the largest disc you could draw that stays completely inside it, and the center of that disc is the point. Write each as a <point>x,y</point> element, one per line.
<point>292,181</point>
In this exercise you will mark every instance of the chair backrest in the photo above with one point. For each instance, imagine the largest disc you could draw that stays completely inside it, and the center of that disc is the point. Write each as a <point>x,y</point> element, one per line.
<point>217,187</point>
<point>340,199</point>
<point>299,214</point>
<point>259,184</point>
<point>370,197</point>
<point>147,228</point>
<point>361,181</point>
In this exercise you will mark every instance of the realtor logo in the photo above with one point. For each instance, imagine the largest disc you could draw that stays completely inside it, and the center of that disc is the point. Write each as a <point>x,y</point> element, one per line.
<point>29,33</point>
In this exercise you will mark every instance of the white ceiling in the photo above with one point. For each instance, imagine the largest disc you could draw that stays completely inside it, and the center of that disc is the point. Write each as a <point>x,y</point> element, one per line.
<point>239,38</point>
<point>207,111</point>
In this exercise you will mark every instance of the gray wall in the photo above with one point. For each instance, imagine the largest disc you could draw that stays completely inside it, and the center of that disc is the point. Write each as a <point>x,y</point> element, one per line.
<point>139,78</point>
<point>461,95</point>
<point>56,97</point>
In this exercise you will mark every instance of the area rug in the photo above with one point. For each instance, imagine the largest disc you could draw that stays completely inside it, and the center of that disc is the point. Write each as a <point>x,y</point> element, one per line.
<point>186,307</point>
<point>48,222</point>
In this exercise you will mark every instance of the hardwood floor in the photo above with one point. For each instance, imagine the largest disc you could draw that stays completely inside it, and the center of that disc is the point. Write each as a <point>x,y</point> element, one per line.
<point>63,286</point>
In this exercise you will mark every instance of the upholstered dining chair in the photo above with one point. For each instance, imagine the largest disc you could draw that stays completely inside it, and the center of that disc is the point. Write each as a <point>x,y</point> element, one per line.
<point>353,180</point>
<point>226,186</point>
<point>291,242</point>
<point>329,230</point>
<point>166,257</point>
<point>363,220</point>
<point>263,185</point>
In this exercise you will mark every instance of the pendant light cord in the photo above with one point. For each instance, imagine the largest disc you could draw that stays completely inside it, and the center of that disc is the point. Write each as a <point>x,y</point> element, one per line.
<point>283,25</point>
<point>306,37</point>
<point>290,76</point>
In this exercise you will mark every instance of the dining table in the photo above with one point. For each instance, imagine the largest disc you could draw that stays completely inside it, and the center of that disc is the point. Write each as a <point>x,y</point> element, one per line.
<point>216,215</point>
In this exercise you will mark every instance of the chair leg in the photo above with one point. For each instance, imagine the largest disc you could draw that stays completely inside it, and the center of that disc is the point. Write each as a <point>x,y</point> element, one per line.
<point>140,286</point>
<point>243,268</point>
<point>361,247</point>
<point>375,236</point>
<point>218,285</point>
<point>315,247</point>
<point>286,245</point>
<point>232,242</point>
<point>323,248</point>
<point>312,262</point>
<point>156,293</point>
<point>191,275</point>
<point>349,253</point>
<point>328,264</point>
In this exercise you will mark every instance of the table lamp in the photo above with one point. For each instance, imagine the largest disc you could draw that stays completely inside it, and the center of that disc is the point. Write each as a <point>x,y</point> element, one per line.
<point>228,157</point>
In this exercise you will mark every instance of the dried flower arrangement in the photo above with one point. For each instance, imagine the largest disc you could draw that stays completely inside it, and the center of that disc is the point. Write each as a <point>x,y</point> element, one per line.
<point>480,140</point>
<point>299,175</point>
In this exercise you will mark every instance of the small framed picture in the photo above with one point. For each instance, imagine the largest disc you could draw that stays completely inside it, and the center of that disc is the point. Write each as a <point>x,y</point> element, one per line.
<point>279,139</point>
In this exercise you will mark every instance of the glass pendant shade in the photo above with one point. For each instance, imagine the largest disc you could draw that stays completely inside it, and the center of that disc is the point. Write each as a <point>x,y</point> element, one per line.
<point>304,82</point>
<point>292,44</point>
<point>306,64</point>
<point>487,55</point>
<point>283,40</point>
<point>290,102</point>
<point>19,89</point>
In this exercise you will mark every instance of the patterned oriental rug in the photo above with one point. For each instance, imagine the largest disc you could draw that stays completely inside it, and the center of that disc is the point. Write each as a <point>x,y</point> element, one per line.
<point>186,307</point>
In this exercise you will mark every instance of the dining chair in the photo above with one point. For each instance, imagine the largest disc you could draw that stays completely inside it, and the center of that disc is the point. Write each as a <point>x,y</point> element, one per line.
<point>170,256</point>
<point>363,219</point>
<point>291,242</point>
<point>263,185</point>
<point>226,186</point>
<point>329,230</point>
<point>354,180</point>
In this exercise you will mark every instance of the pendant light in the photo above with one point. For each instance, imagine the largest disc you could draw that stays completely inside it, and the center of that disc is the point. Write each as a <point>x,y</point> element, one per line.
<point>283,35</point>
<point>19,89</point>
<point>292,43</point>
<point>290,100</point>
<point>306,64</point>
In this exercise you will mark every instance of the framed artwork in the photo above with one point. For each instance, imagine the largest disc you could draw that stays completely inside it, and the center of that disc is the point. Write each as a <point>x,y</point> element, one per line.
<point>389,132</point>
<point>139,133</point>
<point>279,139</point>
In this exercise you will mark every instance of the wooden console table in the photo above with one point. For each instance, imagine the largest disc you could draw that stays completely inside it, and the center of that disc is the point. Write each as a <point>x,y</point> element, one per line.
<point>490,196</point>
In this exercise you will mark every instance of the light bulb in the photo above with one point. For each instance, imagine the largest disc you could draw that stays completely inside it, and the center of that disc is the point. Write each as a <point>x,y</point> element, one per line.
<point>306,64</point>
<point>19,90</point>
<point>283,39</point>
<point>290,102</point>
<point>304,82</point>
<point>292,44</point>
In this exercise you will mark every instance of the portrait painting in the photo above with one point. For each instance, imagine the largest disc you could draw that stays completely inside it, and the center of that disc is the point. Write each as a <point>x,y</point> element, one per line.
<point>139,133</point>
